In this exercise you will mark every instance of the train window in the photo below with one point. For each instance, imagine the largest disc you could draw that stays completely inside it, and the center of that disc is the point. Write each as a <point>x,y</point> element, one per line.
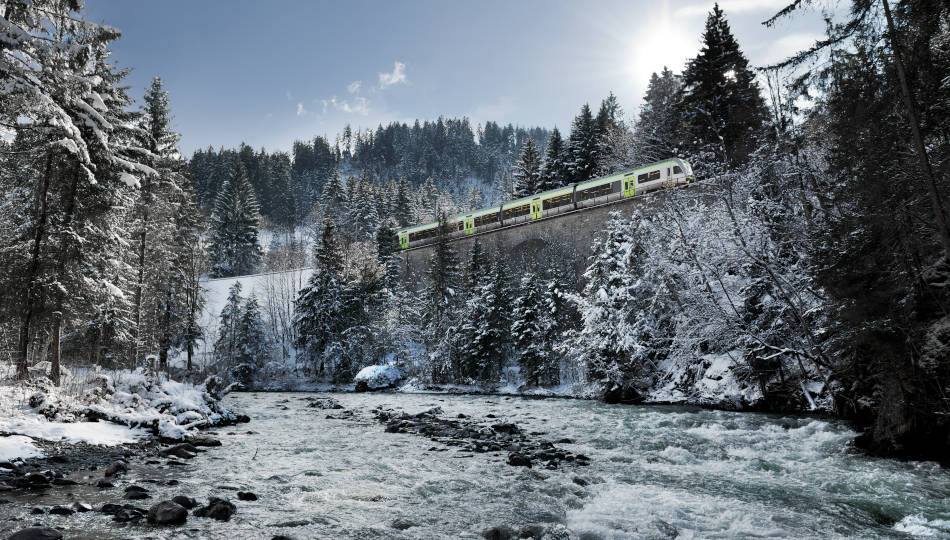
<point>517,211</point>
<point>594,192</point>
<point>642,178</point>
<point>560,200</point>
<point>677,169</point>
<point>486,219</point>
<point>654,175</point>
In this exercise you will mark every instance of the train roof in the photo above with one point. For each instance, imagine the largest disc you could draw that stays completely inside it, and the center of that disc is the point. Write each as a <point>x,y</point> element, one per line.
<point>550,193</point>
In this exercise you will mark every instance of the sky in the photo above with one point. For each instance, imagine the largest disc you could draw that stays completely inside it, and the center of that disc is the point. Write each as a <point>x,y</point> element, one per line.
<point>268,73</point>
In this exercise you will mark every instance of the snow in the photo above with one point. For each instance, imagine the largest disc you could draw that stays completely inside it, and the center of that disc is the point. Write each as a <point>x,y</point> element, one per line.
<point>215,292</point>
<point>98,433</point>
<point>383,376</point>
<point>17,447</point>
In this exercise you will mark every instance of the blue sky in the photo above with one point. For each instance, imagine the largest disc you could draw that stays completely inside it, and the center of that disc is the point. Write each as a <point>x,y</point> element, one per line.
<point>270,72</point>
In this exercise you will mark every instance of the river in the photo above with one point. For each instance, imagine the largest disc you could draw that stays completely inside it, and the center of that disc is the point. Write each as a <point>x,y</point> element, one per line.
<point>655,472</point>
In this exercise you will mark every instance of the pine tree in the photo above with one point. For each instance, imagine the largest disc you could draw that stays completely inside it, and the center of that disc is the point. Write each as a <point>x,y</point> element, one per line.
<point>478,266</point>
<point>328,254</point>
<point>534,330</point>
<point>554,172</point>
<point>486,328</point>
<point>620,314</point>
<point>439,308</point>
<point>229,328</point>
<point>283,207</point>
<point>251,348</point>
<point>234,247</point>
<point>402,211</point>
<point>528,170</point>
<point>334,193</point>
<point>584,147</point>
<point>657,130</point>
<point>721,102</point>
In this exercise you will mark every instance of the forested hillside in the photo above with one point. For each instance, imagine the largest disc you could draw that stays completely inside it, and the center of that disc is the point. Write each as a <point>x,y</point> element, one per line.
<point>816,280</point>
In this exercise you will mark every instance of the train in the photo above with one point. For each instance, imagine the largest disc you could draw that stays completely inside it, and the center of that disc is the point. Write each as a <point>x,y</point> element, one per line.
<point>570,198</point>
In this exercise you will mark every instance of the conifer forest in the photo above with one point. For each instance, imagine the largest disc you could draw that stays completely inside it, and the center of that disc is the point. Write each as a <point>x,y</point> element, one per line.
<point>757,345</point>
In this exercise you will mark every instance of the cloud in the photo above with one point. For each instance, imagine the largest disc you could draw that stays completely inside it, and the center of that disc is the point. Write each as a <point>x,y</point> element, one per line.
<point>301,110</point>
<point>731,7</point>
<point>354,87</point>
<point>398,76</point>
<point>358,105</point>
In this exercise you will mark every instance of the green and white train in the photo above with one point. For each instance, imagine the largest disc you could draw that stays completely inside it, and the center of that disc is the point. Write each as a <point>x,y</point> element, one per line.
<point>569,198</point>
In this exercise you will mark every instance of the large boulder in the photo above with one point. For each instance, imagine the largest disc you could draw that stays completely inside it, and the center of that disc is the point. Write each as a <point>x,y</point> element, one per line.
<point>378,377</point>
<point>167,513</point>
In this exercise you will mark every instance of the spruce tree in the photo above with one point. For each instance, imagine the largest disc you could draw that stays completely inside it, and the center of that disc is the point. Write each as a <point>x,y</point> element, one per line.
<point>486,328</point>
<point>234,248</point>
<point>721,103</point>
<point>322,305</point>
<point>584,147</point>
<point>229,328</point>
<point>657,134</point>
<point>527,172</point>
<point>534,331</point>
<point>553,172</point>
<point>328,254</point>
<point>439,309</point>
<point>251,348</point>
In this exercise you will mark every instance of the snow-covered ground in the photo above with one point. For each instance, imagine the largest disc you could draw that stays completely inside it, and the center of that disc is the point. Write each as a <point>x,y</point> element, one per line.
<point>131,405</point>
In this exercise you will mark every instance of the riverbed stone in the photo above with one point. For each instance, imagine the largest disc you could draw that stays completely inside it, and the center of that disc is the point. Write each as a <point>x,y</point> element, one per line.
<point>167,513</point>
<point>81,507</point>
<point>500,532</point>
<point>219,509</point>
<point>184,501</point>
<point>136,493</point>
<point>246,496</point>
<point>116,468</point>
<point>129,513</point>
<point>59,510</point>
<point>518,460</point>
<point>37,533</point>
<point>183,450</point>
<point>402,524</point>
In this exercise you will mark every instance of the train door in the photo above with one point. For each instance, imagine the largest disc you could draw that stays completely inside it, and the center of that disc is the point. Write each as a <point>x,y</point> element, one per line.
<point>629,186</point>
<point>404,240</point>
<point>536,209</point>
<point>469,225</point>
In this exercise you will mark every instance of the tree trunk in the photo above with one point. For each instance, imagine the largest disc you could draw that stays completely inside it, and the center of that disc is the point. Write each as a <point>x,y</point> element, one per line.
<point>29,307</point>
<point>54,370</point>
<point>940,217</point>
<point>140,280</point>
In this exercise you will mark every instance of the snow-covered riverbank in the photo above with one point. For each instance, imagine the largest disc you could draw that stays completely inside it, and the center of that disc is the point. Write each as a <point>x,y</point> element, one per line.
<point>105,409</point>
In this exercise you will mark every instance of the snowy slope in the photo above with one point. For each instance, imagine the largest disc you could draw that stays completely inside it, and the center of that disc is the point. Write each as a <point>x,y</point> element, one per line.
<point>215,292</point>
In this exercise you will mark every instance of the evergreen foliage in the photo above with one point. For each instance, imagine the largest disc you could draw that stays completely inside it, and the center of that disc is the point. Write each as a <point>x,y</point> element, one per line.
<point>234,248</point>
<point>527,172</point>
<point>554,172</point>
<point>721,103</point>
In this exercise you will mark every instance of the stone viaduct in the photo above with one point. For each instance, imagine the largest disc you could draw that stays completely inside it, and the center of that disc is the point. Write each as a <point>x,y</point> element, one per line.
<point>564,239</point>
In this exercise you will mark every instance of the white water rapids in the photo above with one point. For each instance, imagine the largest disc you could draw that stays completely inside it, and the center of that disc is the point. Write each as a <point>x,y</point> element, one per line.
<point>655,471</point>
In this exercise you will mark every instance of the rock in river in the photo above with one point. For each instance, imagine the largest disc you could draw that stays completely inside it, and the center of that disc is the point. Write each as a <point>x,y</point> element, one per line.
<point>246,496</point>
<point>167,513</point>
<point>37,533</point>
<point>218,509</point>
<point>187,502</point>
